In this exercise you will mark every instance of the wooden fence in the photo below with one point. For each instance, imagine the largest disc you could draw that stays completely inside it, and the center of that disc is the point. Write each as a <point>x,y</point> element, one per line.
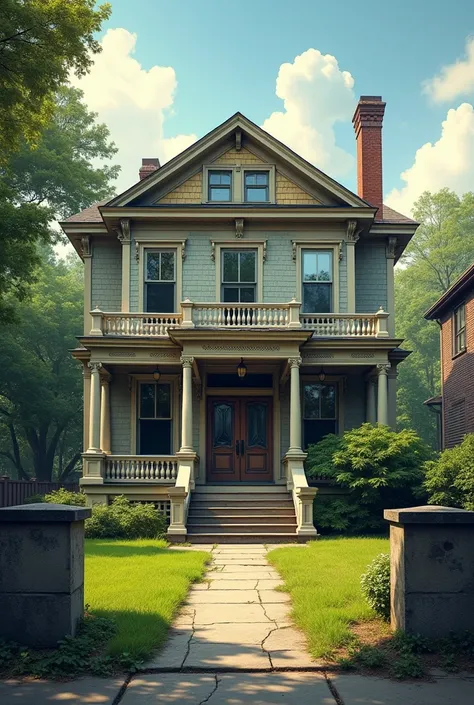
<point>17,491</point>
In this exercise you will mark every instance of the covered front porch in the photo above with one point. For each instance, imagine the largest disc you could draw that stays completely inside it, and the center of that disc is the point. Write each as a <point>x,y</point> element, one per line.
<point>160,420</point>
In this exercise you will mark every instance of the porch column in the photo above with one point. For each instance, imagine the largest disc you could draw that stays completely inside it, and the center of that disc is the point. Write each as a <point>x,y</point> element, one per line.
<point>105,414</point>
<point>86,373</point>
<point>295,406</point>
<point>187,405</point>
<point>382,394</point>
<point>124,236</point>
<point>94,419</point>
<point>351,240</point>
<point>370,414</point>
<point>392,397</point>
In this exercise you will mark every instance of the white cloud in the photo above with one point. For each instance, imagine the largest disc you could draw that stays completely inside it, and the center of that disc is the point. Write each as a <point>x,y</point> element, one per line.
<point>448,162</point>
<point>453,80</point>
<point>316,94</point>
<point>133,102</point>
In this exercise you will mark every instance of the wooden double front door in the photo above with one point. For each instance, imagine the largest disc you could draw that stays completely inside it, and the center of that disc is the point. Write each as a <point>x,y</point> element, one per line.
<point>239,440</point>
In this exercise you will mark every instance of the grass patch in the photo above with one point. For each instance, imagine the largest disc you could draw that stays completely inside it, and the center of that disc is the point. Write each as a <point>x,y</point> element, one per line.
<point>139,584</point>
<point>323,580</point>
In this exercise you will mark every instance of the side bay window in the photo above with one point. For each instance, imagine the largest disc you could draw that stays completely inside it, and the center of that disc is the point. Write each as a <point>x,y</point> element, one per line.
<point>319,411</point>
<point>317,281</point>
<point>160,281</point>
<point>155,418</point>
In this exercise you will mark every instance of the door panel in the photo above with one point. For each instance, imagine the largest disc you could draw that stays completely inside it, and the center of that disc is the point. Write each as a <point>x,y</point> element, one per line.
<point>240,440</point>
<point>222,416</point>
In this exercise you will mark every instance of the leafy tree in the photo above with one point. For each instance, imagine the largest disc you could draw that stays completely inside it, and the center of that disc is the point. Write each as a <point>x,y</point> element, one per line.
<point>442,248</point>
<point>40,384</point>
<point>450,479</point>
<point>377,467</point>
<point>52,180</point>
<point>41,41</point>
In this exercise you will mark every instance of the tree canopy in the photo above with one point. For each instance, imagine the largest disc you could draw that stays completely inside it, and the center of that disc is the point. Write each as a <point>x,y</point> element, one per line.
<point>41,41</point>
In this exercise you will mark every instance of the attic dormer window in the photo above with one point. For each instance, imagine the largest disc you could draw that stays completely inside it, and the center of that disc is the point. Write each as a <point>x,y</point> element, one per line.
<point>220,186</point>
<point>256,186</point>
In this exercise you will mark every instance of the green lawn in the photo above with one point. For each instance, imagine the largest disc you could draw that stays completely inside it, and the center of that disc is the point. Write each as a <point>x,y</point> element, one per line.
<point>323,580</point>
<point>139,584</point>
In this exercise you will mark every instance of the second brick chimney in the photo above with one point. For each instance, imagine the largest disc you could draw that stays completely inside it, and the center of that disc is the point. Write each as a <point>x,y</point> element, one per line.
<point>367,121</point>
<point>148,166</point>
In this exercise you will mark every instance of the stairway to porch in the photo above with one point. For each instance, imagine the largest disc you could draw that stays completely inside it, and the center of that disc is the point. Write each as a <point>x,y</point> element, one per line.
<point>244,514</point>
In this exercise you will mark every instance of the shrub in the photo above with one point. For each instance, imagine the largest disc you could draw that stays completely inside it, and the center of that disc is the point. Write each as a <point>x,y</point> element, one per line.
<point>450,479</point>
<point>375,584</point>
<point>124,520</point>
<point>63,496</point>
<point>379,469</point>
<point>34,499</point>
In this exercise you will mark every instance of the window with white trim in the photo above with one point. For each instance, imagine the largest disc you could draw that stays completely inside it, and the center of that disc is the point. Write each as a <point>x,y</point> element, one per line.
<point>239,276</point>
<point>155,418</point>
<point>459,329</point>
<point>160,281</point>
<point>319,411</point>
<point>317,281</point>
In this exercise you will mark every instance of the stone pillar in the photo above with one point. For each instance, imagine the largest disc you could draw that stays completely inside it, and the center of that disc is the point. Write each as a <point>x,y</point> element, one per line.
<point>94,419</point>
<point>390,255</point>
<point>41,572</point>
<point>351,240</point>
<point>371,412</point>
<point>124,236</point>
<point>382,394</point>
<point>295,406</point>
<point>431,570</point>
<point>105,414</point>
<point>187,405</point>
<point>87,257</point>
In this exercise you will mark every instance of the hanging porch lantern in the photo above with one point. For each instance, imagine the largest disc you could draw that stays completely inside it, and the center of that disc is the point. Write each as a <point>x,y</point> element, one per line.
<point>241,368</point>
<point>156,374</point>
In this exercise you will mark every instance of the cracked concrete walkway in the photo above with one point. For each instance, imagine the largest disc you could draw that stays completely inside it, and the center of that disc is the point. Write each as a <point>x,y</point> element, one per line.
<point>236,619</point>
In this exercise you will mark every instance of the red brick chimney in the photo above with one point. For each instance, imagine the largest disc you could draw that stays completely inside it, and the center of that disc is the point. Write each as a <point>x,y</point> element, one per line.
<point>367,121</point>
<point>148,165</point>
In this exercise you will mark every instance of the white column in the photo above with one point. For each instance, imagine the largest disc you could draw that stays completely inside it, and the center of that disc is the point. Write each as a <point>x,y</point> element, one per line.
<point>87,402</point>
<point>392,397</point>
<point>87,257</point>
<point>351,240</point>
<point>295,406</point>
<point>390,254</point>
<point>105,415</point>
<point>370,415</point>
<point>187,405</point>
<point>382,394</point>
<point>124,236</point>
<point>94,419</point>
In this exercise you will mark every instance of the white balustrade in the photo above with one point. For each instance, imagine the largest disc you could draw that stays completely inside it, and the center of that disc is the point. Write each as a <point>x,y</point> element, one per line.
<point>341,325</point>
<point>144,324</point>
<point>140,468</point>
<point>221,315</point>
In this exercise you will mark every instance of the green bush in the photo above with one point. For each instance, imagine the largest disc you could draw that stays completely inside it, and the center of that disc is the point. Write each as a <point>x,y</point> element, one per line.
<point>450,478</point>
<point>124,520</point>
<point>378,467</point>
<point>375,584</point>
<point>63,496</point>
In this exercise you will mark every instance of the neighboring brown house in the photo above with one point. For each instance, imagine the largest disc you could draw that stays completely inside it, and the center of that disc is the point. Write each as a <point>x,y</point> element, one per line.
<point>454,312</point>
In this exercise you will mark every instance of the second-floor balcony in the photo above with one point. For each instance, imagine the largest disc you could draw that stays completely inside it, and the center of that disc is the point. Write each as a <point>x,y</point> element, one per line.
<point>247,316</point>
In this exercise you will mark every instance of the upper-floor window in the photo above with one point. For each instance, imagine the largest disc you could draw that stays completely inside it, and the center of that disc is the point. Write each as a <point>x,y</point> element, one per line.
<point>239,276</point>
<point>317,281</point>
<point>459,329</point>
<point>220,186</point>
<point>160,281</point>
<point>256,186</point>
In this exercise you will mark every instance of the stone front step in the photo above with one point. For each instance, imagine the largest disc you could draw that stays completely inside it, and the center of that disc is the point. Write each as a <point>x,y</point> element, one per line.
<point>279,510</point>
<point>202,518</point>
<point>217,537</point>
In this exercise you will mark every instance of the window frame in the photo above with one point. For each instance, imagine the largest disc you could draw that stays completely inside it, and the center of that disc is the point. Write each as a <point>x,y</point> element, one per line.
<point>147,378</point>
<point>258,245</point>
<point>209,186</point>
<point>238,182</point>
<point>239,284</point>
<point>318,282</point>
<point>324,245</point>
<point>247,172</point>
<point>338,381</point>
<point>144,243</point>
<point>459,333</point>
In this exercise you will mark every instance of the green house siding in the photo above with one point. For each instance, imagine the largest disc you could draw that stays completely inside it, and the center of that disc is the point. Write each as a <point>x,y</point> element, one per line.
<point>120,415</point>
<point>354,402</point>
<point>279,269</point>
<point>199,270</point>
<point>107,276</point>
<point>371,277</point>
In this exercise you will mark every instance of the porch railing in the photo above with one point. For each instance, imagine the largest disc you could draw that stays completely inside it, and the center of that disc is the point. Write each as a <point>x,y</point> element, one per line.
<point>284,316</point>
<point>141,468</point>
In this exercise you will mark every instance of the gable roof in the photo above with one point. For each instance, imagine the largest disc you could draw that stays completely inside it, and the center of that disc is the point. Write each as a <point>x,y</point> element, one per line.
<point>452,296</point>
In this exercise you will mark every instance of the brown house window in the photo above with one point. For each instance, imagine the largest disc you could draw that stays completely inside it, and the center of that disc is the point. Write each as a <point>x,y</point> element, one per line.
<point>459,329</point>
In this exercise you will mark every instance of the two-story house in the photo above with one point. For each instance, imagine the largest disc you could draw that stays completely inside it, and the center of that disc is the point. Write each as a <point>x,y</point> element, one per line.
<point>239,305</point>
<point>454,312</point>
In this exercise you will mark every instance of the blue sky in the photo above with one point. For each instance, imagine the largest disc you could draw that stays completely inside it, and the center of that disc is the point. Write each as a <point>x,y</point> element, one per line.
<point>227,56</point>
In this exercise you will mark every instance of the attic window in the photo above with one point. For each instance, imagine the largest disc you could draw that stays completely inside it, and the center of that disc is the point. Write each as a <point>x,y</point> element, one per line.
<point>256,186</point>
<point>220,186</point>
